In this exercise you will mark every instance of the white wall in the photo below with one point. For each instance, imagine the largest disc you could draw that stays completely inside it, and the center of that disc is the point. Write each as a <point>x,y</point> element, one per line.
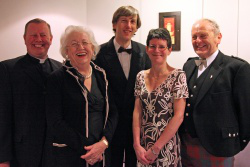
<point>243,31</point>
<point>149,13</point>
<point>16,13</point>
<point>100,15</point>
<point>231,15</point>
<point>190,12</point>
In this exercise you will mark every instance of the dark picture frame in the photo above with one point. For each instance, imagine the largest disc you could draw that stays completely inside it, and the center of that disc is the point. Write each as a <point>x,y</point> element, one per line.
<point>172,22</point>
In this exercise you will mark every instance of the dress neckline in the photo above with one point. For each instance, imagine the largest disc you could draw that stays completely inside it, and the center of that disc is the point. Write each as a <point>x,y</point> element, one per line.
<point>157,87</point>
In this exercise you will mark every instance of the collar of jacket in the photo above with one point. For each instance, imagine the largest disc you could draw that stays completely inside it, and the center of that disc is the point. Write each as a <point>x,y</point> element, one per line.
<point>72,71</point>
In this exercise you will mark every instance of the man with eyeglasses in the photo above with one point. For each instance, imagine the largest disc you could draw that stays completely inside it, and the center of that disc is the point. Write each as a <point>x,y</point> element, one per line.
<point>22,99</point>
<point>122,59</point>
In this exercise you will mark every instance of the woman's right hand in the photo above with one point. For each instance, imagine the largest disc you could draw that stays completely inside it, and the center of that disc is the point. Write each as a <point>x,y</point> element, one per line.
<point>94,152</point>
<point>140,154</point>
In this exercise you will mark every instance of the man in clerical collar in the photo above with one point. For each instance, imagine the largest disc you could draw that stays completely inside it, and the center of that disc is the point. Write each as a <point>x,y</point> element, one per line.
<point>22,99</point>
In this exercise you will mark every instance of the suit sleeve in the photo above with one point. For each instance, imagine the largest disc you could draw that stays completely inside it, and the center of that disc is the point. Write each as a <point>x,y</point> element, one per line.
<point>57,126</point>
<point>5,116</point>
<point>241,90</point>
<point>98,60</point>
<point>112,120</point>
<point>147,62</point>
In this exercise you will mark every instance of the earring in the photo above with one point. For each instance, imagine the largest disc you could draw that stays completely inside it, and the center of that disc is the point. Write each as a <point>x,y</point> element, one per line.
<point>67,57</point>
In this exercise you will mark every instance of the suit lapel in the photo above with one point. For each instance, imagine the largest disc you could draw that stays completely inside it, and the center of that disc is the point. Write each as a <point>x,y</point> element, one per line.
<point>135,62</point>
<point>54,66</point>
<point>135,67</point>
<point>210,78</point>
<point>190,70</point>
<point>113,61</point>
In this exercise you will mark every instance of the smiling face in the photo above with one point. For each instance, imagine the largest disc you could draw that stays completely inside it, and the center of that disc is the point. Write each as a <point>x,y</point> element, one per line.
<point>205,41</point>
<point>158,51</point>
<point>79,49</point>
<point>38,40</point>
<point>125,28</point>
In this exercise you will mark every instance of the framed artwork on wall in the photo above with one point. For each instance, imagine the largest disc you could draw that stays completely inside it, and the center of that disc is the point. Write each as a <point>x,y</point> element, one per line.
<point>172,22</point>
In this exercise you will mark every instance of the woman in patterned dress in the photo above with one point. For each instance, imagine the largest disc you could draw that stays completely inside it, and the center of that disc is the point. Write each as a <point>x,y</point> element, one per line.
<point>161,94</point>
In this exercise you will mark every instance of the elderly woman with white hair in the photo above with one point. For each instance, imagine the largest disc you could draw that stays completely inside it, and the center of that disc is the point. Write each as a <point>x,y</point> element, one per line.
<point>80,112</point>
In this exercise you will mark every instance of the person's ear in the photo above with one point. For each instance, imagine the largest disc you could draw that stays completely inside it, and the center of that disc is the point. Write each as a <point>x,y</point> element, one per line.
<point>114,26</point>
<point>219,37</point>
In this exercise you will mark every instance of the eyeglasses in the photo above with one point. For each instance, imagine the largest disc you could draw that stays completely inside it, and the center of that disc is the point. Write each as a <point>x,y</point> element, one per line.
<point>77,44</point>
<point>160,48</point>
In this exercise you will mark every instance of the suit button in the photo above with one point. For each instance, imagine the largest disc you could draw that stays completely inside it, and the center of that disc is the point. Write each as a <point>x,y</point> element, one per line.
<point>187,114</point>
<point>229,134</point>
<point>244,141</point>
<point>194,86</point>
<point>234,135</point>
<point>188,104</point>
<point>191,95</point>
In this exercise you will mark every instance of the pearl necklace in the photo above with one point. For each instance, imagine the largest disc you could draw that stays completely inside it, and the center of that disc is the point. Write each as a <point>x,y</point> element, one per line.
<point>90,73</point>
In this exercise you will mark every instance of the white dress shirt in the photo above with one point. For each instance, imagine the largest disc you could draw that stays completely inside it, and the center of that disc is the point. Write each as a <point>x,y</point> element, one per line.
<point>210,59</point>
<point>124,58</point>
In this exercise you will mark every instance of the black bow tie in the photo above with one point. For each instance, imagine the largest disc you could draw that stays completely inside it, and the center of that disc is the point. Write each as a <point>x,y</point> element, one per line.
<point>200,63</point>
<point>121,49</point>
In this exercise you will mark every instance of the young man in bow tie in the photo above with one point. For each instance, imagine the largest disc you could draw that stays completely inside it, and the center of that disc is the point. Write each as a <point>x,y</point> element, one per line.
<point>122,59</point>
<point>217,116</point>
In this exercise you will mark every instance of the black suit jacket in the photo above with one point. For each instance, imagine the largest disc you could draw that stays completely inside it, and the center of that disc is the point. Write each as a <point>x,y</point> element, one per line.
<point>66,117</point>
<point>122,88</point>
<point>221,112</point>
<point>22,114</point>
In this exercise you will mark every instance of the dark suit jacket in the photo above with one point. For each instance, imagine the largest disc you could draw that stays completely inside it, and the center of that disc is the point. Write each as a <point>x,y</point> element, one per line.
<point>123,89</point>
<point>66,116</point>
<point>22,114</point>
<point>221,113</point>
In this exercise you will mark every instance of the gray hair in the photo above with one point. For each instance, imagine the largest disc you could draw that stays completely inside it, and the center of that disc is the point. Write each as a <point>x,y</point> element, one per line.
<point>212,23</point>
<point>69,30</point>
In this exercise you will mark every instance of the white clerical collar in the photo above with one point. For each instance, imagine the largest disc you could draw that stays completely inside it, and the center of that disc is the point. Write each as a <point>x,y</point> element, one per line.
<point>41,61</point>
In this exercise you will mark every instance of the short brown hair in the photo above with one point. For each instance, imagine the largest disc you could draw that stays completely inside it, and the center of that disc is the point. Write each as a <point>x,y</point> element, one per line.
<point>126,11</point>
<point>36,20</point>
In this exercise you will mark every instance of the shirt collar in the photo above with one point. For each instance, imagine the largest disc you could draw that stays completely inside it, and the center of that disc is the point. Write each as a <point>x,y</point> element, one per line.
<point>41,61</point>
<point>117,46</point>
<point>211,58</point>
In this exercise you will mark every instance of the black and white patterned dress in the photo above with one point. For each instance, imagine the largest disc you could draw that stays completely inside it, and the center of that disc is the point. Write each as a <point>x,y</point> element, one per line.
<point>157,111</point>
